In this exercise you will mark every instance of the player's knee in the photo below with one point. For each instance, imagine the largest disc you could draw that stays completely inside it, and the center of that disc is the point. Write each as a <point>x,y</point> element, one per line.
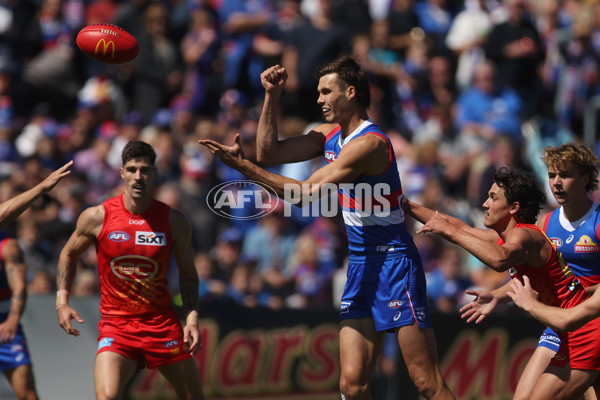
<point>106,395</point>
<point>429,387</point>
<point>353,389</point>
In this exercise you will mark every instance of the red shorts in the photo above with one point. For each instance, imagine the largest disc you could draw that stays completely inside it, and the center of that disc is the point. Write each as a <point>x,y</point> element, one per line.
<point>581,348</point>
<point>151,341</point>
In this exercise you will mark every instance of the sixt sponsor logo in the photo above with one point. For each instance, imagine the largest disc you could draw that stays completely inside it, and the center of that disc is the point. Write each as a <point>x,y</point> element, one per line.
<point>586,245</point>
<point>150,238</point>
<point>394,304</point>
<point>118,236</point>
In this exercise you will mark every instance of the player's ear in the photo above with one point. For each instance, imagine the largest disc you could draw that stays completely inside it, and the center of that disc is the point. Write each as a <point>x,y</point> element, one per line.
<point>350,92</point>
<point>515,207</point>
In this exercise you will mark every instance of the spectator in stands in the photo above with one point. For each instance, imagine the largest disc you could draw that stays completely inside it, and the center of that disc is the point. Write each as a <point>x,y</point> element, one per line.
<point>159,73</point>
<point>240,21</point>
<point>271,243</point>
<point>317,41</point>
<point>515,47</point>
<point>447,282</point>
<point>489,109</point>
<point>404,23</point>
<point>200,49</point>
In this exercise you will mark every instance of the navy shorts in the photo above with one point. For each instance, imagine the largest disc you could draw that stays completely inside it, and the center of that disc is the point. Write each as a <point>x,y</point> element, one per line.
<point>14,354</point>
<point>391,290</point>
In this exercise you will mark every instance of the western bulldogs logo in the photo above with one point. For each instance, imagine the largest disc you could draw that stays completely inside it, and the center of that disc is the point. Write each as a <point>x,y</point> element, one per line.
<point>118,236</point>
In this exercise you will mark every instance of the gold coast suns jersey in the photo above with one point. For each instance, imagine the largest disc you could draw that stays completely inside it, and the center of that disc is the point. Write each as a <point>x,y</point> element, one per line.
<point>133,259</point>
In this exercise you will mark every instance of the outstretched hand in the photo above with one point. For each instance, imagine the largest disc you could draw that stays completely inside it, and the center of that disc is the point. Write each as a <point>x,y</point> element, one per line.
<point>437,224</point>
<point>50,182</point>
<point>483,304</point>
<point>65,314</point>
<point>273,78</point>
<point>522,293</point>
<point>229,155</point>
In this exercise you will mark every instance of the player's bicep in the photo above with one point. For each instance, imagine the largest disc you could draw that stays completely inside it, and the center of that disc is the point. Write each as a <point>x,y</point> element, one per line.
<point>297,149</point>
<point>86,231</point>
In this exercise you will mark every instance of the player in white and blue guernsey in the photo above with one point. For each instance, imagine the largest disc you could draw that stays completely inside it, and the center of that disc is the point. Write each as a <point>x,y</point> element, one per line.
<point>14,355</point>
<point>385,289</point>
<point>382,252</point>
<point>574,228</point>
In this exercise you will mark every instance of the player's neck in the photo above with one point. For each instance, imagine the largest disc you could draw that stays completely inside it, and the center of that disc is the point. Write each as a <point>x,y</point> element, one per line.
<point>137,206</point>
<point>574,212</point>
<point>350,125</point>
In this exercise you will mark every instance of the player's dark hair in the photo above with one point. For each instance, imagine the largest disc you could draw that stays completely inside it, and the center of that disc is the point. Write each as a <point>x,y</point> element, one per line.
<point>522,187</point>
<point>350,73</point>
<point>138,149</point>
<point>574,155</point>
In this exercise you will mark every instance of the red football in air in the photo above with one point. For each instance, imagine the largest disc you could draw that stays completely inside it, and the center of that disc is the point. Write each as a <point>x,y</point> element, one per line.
<point>108,43</point>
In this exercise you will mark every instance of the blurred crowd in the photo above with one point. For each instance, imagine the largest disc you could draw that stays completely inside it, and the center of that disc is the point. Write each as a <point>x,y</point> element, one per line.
<point>454,84</point>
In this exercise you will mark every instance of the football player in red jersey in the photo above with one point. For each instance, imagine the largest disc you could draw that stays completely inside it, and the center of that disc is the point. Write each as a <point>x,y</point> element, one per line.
<point>135,236</point>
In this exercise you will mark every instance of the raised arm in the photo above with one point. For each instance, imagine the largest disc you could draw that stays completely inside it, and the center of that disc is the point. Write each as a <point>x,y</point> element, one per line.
<point>181,230</point>
<point>12,208</point>
<point>85,234</point>
<point>562,319</point>
<point>15,274</point>
<point>519,248</point>
<point>368,154</point>
<point>424,214</point>
<point>271,150</point>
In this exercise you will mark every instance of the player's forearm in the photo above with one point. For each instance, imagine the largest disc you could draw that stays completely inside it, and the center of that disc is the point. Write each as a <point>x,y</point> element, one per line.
<point>491,254</point>
<point>17,304</point>
<point>501,293</point>
<point>188,287</point>
<point>424,214</point>
<point>276,182</point>
<point>65,274</point>
<point>267,134</point>
<point>12,208</point>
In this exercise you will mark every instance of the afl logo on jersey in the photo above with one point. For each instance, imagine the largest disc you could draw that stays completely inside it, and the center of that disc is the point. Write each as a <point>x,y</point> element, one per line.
<point>330,156</point>
<point>118,236</point>
<point>134,268</point>
<point>557,241</point>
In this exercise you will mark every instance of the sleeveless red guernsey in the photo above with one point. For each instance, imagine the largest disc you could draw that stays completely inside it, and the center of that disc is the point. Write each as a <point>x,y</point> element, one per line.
<point>133,259</point>
<point>554,281</point>
<point>557,286</point>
